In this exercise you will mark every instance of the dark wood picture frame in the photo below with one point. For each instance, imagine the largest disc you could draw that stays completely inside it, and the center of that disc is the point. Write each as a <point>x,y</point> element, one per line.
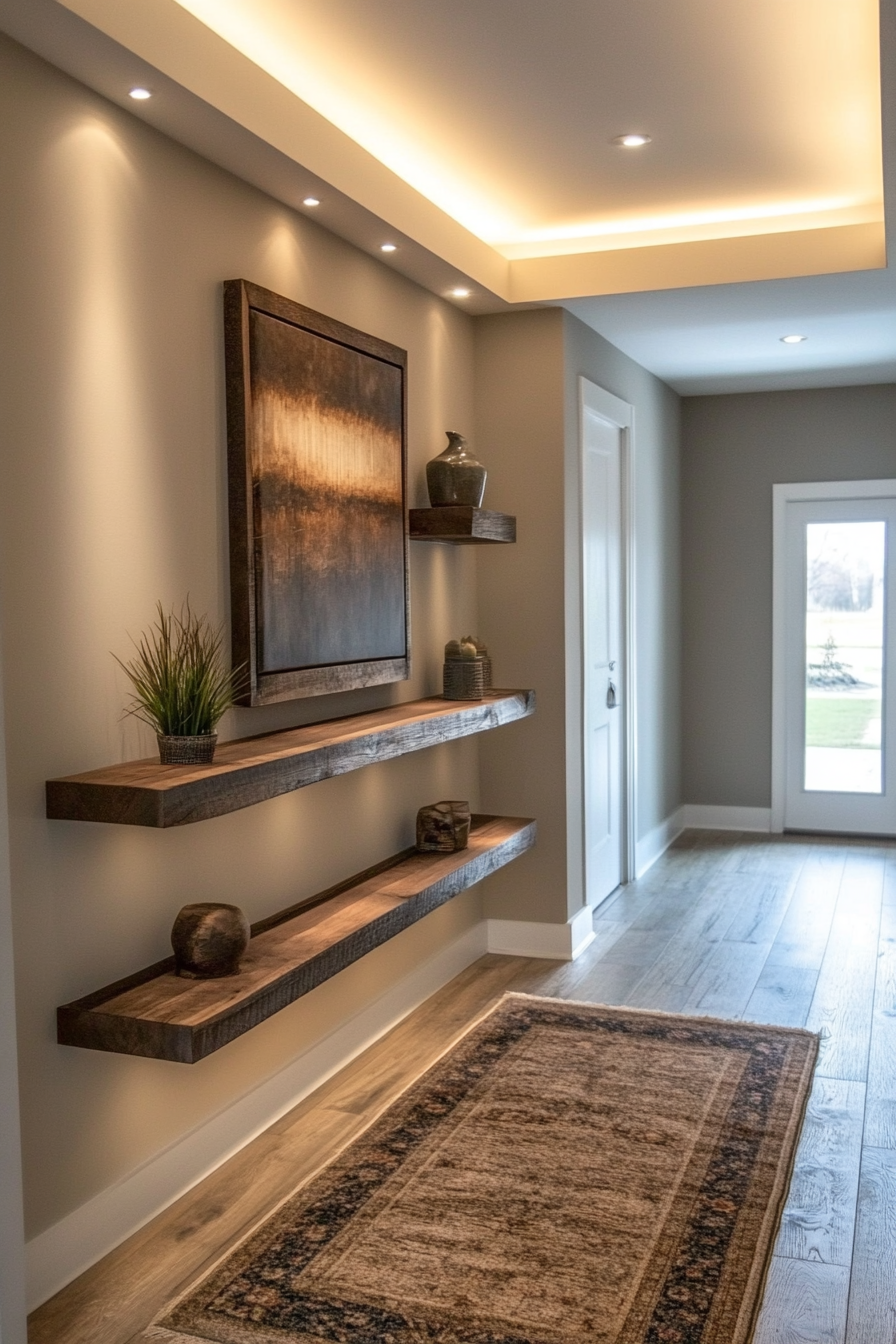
<point>317,484</point>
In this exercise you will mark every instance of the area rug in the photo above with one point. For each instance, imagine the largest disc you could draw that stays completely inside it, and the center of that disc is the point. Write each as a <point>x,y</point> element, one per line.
<point>566,1174</point>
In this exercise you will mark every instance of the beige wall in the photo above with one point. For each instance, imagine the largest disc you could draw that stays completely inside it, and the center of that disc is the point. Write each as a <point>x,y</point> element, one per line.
<point>112,495</point>
<point>519,427</point>
<point>734,449</point>
<point>12,1259</point>
<point>527,418</point>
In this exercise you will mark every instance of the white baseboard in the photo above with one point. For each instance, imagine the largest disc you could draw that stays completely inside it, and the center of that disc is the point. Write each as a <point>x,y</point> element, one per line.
<point>71,1246</point>
<point>557,942</point>
<point>655,843</point>
<point>703,817</point>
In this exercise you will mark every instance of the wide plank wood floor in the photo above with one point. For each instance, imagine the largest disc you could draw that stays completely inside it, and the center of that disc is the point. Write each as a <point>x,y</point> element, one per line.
<point>787,929</point>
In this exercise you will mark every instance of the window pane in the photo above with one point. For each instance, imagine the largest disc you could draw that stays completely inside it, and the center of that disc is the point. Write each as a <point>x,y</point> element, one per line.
<point>844,656</point>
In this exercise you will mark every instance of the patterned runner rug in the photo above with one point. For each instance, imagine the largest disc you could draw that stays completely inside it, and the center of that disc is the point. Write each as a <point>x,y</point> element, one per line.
<point>566,1174</point>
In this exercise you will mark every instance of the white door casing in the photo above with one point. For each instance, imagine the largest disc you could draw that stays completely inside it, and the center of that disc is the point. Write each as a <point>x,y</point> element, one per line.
<point>605,429</point>
<point>798,802</point>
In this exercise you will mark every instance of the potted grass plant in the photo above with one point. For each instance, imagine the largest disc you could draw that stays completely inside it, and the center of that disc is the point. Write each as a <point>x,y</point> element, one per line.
<point>181,686</point>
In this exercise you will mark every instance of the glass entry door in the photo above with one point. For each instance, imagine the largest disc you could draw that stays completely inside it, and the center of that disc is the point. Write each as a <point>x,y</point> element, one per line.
<point>840,661</point>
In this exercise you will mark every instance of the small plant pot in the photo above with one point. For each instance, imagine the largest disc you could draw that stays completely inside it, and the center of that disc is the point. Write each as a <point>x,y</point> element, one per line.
<point>463,678</point>
<point>199,750</point>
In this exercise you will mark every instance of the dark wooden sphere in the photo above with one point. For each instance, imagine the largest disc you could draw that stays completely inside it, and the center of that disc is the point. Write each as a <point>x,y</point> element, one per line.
<point>209,939</point>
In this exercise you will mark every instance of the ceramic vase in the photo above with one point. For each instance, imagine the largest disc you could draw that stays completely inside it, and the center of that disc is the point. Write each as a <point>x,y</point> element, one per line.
<point>455,476</point>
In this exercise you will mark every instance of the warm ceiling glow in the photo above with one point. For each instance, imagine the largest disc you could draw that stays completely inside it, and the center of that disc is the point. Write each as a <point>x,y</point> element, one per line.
<point>782,216</point>
<point>140,95</point>
<point>793,142</point>
<point>460,293</point>
<point>631,141</point>
<point>311,200</point>
<point>794,340</point>
<point>327,81</point>
<point>387,247</point>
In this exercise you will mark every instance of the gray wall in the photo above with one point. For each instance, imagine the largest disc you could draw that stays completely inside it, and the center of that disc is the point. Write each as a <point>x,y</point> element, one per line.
<point>657,583</point>
<point>734,448</point>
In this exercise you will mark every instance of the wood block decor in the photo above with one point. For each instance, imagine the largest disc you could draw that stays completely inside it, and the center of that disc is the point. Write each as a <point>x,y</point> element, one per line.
<point>443,827</point>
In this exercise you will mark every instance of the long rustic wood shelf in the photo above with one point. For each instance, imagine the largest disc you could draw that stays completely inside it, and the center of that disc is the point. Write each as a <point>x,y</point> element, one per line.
<point>158,1014</point>
<point>253,769</point>
<point>462,525</point>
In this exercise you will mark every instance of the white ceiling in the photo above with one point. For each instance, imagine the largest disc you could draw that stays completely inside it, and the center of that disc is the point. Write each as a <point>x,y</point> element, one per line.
<point>763,115</point>
<point>752,107</point>
<point>726,338</point>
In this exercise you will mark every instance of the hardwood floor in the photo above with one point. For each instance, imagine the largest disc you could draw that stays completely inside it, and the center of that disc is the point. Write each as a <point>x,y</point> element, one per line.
<point>793,930</point>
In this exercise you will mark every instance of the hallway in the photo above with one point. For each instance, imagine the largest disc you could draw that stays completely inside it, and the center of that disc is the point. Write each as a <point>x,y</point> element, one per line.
<point>795,930</point>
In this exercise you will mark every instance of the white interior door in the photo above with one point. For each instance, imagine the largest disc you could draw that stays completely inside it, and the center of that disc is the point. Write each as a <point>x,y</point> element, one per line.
<point>839,656</point>
<point>603,651</point>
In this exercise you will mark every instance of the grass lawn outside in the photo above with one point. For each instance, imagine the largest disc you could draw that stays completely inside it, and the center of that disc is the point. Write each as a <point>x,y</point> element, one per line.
<point>842,721</point>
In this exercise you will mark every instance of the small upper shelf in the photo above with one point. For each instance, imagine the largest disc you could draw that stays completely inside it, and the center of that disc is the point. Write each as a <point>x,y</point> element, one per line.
<point>462,524</point>
<point>158,1014</point>
<point>253,769</point>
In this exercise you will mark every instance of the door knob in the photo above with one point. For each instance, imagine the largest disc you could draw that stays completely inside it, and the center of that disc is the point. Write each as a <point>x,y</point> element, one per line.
<point>611,696</point>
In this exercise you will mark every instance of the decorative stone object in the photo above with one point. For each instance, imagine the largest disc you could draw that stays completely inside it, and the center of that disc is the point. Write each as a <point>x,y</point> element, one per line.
<point>455,476</point>
<point>198,750</point>
<point>482,652</point>
<point>208,940</point>
<point>463,673</point>
<point>443,827</point>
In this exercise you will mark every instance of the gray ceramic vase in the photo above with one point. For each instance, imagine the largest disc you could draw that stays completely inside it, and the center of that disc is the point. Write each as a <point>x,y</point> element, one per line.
<point>455,476</point>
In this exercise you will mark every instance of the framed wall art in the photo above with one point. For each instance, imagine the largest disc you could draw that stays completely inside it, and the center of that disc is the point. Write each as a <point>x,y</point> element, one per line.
<point>316,416</point>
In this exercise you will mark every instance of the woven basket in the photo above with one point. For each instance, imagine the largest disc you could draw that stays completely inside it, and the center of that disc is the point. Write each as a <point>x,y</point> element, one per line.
<point>463,678</point>
<point>199,750</point>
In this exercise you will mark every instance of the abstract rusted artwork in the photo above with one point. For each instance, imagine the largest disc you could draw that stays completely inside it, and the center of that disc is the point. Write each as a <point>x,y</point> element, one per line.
<point>316,433</point>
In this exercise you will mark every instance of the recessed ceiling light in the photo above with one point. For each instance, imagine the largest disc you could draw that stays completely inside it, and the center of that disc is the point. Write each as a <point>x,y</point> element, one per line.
<point>793,340</point>
<point>460,293</point>
<point>387,247</point>
<point>140,94</point>
<point>633,140</point>
<point>311,200</point>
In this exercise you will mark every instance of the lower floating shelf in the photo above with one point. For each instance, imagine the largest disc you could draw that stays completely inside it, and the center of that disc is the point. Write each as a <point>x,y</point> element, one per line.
<point>157,1014</point>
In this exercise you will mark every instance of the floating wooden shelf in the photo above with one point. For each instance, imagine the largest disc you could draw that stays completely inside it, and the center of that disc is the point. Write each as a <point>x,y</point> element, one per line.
<point>462,524</point>
<point>252,769</point>
<point>157,1014</point>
